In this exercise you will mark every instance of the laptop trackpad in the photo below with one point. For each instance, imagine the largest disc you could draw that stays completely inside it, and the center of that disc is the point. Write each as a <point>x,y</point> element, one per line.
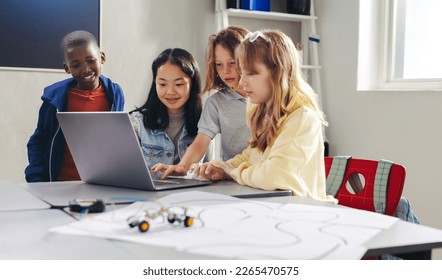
<point>165,182</point>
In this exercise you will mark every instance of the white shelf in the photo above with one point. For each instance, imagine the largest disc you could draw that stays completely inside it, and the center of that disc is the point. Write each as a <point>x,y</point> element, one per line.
<point>268,15</point>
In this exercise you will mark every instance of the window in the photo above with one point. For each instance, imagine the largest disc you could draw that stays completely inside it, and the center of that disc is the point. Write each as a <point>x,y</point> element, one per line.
<point>417,44</point>
<point>399,42</point>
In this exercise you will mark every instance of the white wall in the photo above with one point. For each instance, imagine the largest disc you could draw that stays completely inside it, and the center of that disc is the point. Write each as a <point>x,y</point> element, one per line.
<point>400,126</point>
<point>133,33</point>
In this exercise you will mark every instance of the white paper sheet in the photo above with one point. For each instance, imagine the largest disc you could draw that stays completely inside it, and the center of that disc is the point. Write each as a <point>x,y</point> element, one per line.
<point>235,228</point>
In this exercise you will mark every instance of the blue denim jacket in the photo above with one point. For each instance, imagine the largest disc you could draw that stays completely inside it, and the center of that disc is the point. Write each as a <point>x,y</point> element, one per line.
<point>156,145</point>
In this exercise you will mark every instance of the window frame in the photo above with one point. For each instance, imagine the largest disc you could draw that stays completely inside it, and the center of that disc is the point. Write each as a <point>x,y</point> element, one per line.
<point>381,23</point>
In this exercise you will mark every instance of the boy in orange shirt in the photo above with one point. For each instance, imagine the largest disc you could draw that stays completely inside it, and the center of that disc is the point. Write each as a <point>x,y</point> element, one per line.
<point>87,90</point>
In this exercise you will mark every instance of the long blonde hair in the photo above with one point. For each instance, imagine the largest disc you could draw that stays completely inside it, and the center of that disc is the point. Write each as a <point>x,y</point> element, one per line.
<point>289,89</point>
<point>229,38</point>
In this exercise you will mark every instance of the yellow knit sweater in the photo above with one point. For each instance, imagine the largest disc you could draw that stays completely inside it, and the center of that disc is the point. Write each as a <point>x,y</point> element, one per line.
<point>294,162</point>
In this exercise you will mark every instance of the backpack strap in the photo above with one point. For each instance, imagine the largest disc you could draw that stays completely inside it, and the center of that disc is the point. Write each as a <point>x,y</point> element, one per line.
<point>336,174</point>
<point>381,184</point>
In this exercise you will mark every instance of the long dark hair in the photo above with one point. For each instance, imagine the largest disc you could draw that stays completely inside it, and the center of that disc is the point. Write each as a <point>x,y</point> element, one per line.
<point>154,112</point>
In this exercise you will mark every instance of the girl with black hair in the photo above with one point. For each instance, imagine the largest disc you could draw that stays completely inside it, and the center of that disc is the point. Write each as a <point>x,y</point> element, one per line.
<point>167,123</point>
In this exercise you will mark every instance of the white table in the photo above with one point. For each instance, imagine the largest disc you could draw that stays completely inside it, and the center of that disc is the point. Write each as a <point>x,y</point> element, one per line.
<point>13,197</point>
<point>58,194</point>
<point>24,233</point>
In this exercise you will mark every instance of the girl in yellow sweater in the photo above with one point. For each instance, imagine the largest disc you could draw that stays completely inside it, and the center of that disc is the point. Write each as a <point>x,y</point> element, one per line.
<point>286,150</point>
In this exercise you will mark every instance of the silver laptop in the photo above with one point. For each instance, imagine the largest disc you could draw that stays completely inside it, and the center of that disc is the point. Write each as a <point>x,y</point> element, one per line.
<point>107,151</point>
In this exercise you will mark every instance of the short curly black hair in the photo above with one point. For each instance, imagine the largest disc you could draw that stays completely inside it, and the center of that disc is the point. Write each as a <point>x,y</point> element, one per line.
<point>77,38</point>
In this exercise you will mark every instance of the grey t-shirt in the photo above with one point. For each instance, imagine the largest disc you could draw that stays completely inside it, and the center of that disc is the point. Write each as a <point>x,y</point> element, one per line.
<point>225,112</point>
<point>176,123</point>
